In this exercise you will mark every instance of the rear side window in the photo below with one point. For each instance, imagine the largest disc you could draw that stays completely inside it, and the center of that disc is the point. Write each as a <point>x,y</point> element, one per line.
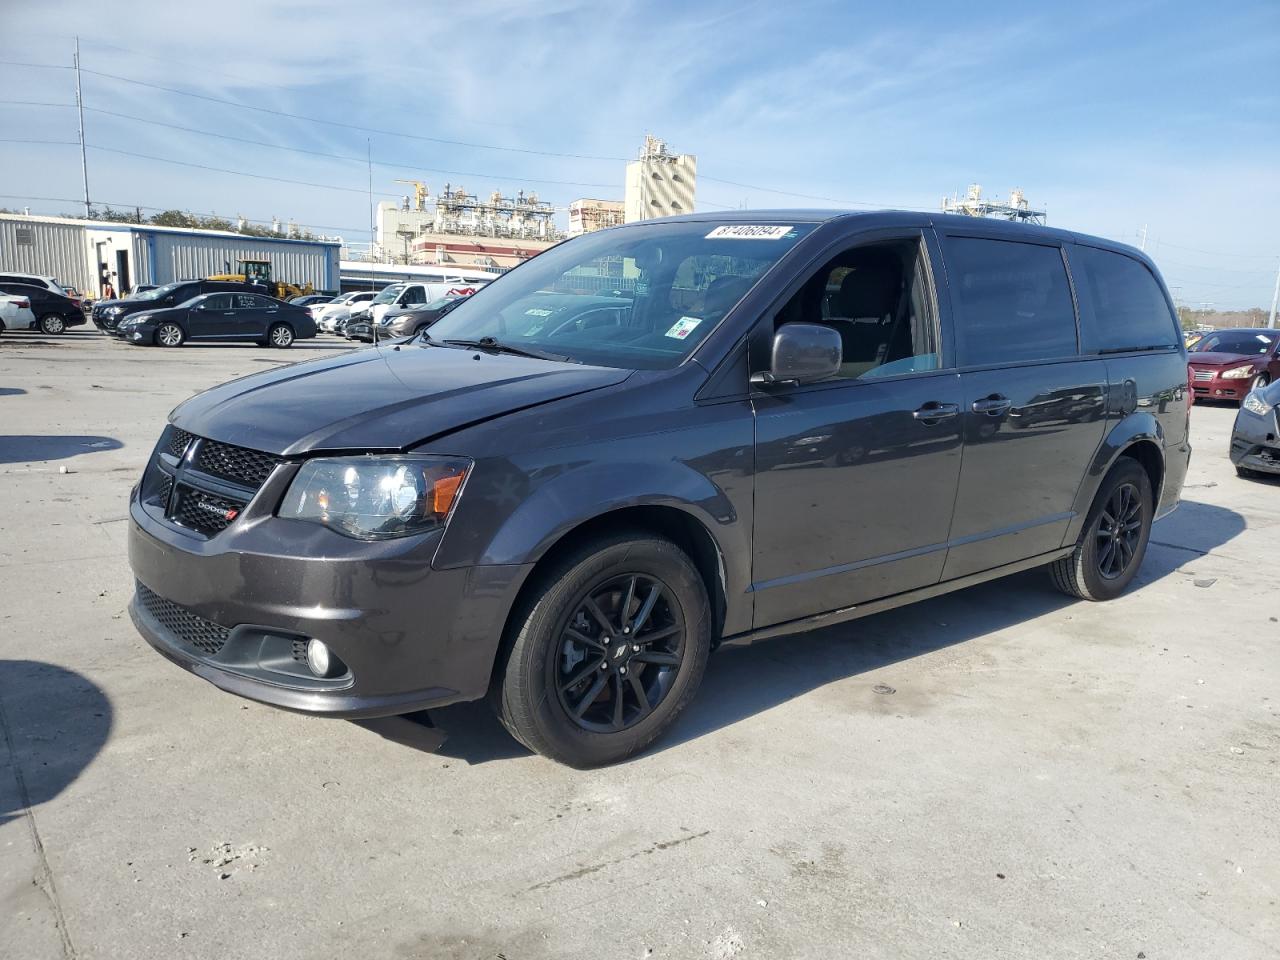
<point>1129,311</point>
<point>1014,301</point>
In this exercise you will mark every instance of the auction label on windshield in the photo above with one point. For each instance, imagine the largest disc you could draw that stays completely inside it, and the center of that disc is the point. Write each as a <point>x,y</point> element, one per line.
<point>683,327</point>
<point>748,231</point>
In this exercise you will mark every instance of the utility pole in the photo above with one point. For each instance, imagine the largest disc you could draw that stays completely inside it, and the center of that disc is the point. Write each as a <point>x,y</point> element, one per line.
<point>84,162</point>
<point>373,221</point>
<point>1275,295</point>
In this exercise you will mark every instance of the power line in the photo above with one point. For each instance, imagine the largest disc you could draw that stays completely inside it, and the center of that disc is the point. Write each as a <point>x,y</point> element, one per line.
<point>38,66</point>
<point>347,126</point>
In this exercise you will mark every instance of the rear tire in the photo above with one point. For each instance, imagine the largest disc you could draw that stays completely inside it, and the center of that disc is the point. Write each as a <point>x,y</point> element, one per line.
<point>170,335</point>
<point>1114,540</point>
<point>280,336</point>
<point>53,324</point>
<point>579,686</point>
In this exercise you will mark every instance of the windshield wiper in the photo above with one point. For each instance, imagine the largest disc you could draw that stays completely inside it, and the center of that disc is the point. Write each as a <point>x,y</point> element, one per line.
<point>497,346</point>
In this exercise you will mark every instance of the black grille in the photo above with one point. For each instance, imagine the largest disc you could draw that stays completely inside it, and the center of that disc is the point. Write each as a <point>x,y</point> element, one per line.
<point>205,512</point>
<point>300,649</point>
<point>166,488</point>
<point>237,464</point>
<point>179,440</point>
<point>203,635</point>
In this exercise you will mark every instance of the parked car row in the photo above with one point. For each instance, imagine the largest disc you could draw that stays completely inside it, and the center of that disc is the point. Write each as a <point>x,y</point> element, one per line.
<point>39,303</point>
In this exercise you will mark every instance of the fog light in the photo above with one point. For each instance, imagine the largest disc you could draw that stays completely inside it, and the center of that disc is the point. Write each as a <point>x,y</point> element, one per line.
<point>318,658</point>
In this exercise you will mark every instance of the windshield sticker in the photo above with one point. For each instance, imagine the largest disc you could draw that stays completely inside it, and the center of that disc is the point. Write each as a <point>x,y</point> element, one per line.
<point>683,327</point>
<point>537,312</point>
<point>747,231</point>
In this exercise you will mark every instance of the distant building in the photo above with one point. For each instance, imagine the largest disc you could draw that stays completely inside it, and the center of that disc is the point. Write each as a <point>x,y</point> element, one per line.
<point>659,184</point>
<point>83,253</point>
<point>494,254</point>
<point>588,215</point>
<point>398,224</point>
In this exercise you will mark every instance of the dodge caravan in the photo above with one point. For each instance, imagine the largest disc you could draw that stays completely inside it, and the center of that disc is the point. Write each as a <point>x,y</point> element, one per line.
<point>785,420</point>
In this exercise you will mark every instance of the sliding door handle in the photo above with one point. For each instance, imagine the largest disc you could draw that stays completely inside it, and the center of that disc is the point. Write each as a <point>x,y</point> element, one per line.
<point>993,406</point>
<point>933,411</point>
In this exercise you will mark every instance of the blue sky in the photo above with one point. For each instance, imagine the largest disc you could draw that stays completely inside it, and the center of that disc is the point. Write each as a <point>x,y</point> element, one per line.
<point>1112,116</point>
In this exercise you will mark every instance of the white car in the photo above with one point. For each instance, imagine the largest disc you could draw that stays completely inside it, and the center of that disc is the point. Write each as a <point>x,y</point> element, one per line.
<point>15,313</point>
<point>419,295</point>
<point>328,315</point>
<point>35,280</point>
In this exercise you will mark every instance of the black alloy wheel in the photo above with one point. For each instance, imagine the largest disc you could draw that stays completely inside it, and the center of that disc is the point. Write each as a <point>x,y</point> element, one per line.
<point>605,649</point>
<point>622,647</point>
<point>1114,540</point>
<point>1119,531</point>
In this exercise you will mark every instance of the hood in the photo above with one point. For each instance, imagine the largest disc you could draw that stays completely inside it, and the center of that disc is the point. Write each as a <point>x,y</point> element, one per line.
<point>154,314</point>
<point>1214,359</point>
<point>380,399</point>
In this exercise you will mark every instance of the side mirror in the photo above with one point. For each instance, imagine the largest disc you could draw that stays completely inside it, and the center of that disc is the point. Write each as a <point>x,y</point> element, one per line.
<point>802,353</point>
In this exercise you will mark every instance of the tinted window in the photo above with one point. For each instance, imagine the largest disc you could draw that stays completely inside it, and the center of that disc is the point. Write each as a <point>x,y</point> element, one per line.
<point>217,301</point>
<point>1014,301</point>
<point>1129,310</point>
<point>247,301</point>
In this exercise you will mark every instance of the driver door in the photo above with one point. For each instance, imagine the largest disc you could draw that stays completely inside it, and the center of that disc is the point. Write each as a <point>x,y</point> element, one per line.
<point>213,317</point>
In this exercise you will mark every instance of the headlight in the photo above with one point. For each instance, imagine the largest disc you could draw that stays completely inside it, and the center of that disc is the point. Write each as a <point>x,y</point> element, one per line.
<point>376,497</point>
<point>1237,373</point>
<point>1255,404</point>
<point>115,311</point>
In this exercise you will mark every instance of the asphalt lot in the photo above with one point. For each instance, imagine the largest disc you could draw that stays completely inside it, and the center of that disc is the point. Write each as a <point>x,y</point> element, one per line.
<point>999,772</point>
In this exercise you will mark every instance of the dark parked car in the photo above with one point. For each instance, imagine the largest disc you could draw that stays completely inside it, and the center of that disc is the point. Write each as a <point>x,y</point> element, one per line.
<point>310,299</point>
<point>400,321</point>
<point>1227,364</point>
<point>107,314</point>
<point>1255,438</point>
<point>797,419</point>
<point>54,312</point>
<point>220,316</point>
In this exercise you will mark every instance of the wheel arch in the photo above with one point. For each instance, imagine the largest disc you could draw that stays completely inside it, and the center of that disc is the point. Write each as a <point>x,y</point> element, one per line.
<point>1139,437</point>
<point>669,521</point>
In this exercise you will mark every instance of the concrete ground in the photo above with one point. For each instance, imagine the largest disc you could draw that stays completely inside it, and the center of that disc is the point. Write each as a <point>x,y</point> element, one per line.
<point>1000,772</point>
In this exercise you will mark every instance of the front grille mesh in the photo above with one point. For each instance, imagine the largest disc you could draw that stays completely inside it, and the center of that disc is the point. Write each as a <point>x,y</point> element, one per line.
<point>166,490</point>
<point>203,511</point>
<point>179,440</point>
<point>299,649</point>
<point>203,635</point>
<point>249,467</point>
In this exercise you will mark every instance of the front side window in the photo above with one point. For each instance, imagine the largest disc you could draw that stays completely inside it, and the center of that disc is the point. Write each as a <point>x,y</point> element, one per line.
<point>638,297</point>
<point>878,298</point>
<point>1129,310</point>
<point>1013,299</point>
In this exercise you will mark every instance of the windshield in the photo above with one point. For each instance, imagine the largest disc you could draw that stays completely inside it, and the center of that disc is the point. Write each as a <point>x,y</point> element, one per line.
<point>157,293</point>
<point>1245,342</point>
<point>388,294</point>
<point>638,297</point>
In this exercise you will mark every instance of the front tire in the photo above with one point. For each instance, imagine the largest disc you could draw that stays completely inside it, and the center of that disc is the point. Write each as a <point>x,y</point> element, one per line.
<point>280,336</point>
<point>53,324</point>
<point>608,650</point>
<point>1114,539</point>
<point>170,335</point>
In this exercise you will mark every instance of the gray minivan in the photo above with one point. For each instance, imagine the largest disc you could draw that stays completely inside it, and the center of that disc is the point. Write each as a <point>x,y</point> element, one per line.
<point>792,419</point>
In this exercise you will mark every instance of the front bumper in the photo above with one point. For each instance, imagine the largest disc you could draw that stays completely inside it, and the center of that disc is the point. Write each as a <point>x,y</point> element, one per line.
<point>1255,441</point>
<point>1207,383</point>
<point>411,636</point>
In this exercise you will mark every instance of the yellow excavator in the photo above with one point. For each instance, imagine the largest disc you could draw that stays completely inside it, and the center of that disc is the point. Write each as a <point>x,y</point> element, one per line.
<point>259,272</point>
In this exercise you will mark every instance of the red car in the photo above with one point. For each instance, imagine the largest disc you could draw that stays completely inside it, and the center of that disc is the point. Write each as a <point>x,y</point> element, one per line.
<point>1228,364</point>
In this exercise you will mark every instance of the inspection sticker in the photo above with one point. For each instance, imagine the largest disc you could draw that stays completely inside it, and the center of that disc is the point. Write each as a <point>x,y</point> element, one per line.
<point>537,312</point>
<point>748,231</point>
<point>683,327</point>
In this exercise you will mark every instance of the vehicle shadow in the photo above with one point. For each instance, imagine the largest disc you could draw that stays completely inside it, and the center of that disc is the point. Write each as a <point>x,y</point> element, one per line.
<point>26,448</point>
<point>742,681</point>
<point>12,392</point>
<point>53,723</point>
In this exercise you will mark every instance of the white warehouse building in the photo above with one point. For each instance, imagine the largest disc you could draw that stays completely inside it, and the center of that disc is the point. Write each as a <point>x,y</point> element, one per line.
<point>78,252</point>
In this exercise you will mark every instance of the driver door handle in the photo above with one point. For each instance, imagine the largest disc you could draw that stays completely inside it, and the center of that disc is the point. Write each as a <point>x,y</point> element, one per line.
<point>933,411</point>
<point>992,406</point>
